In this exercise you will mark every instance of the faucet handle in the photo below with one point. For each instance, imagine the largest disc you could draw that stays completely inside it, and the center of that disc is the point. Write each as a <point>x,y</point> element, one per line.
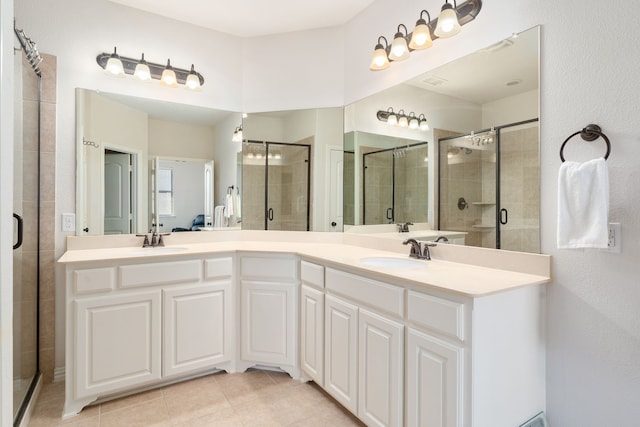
<point>145,244</point>
<point>160,241</point>
<point>416,248</point>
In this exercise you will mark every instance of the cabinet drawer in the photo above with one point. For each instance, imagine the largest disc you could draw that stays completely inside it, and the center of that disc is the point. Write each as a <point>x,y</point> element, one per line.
<point>218,268</point>
<point>438,314</point>
<point>312,274</point>
<point>272,267</point>
<point>376,294</point>
<point>165,273</point>
<point>94,280</point>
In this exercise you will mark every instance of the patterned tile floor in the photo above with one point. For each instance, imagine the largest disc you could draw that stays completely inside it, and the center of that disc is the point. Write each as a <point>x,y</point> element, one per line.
<point>254,398</point>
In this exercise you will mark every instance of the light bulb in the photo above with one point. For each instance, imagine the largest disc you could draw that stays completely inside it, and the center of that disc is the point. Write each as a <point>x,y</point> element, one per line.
<point>114,65</point>
<point>421,37</point>
<point>424,125</point>
<point>169,76</point>
<point>399,49</point>
<point>403,122</point>
<point>392,119</point>
<point>379,60</point>
<point>413,124</point>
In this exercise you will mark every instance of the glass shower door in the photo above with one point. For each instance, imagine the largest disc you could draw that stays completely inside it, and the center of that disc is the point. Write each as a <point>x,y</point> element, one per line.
<point>377,191</point>
<point>287,195</point>
<point>26,206</point>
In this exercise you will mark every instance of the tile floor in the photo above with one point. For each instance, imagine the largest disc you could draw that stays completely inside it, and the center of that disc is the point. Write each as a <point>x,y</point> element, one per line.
<point>254,398</point>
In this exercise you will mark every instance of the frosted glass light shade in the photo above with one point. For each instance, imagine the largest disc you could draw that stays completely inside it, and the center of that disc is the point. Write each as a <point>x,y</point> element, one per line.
<point>114,67</point>
<point>448,25</point>
<point>379,60</point>
<point>169,76</point>
<point>399,49</point>
<point>193,81</point>
<point>142,72</point>
<point>421,37</point>
<point>392,119</point>
<point>424,125</point>
<point>403,122</point>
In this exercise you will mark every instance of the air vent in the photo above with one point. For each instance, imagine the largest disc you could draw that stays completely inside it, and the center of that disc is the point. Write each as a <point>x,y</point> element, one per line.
<point>434,80</point>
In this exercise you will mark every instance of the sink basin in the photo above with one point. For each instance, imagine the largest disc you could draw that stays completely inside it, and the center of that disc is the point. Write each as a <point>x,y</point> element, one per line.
<point>392,262</point>
<point>161,250</point>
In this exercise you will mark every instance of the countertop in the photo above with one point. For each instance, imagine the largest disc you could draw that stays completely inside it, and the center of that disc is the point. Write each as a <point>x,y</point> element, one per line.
<point>453,277</point>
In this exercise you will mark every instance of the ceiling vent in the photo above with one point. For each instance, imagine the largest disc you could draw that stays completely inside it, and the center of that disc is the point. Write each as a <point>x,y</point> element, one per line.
<point>503,44</point>
<point>434,80</point>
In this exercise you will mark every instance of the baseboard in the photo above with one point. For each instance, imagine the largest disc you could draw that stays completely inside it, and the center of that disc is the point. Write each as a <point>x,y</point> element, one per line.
<point>58,374</point>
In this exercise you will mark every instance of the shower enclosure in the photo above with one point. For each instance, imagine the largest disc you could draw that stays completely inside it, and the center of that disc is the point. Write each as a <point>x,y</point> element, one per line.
<point>489,186</point>
<point>26,206</point>
<point>276,186</point>
<point>395,185</point>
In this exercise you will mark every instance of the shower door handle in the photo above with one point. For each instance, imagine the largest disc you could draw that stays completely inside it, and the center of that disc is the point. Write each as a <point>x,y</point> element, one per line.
<point>20,230</point>
<point>390,214</point>
<point>270,214</point>
<point>504,216</point>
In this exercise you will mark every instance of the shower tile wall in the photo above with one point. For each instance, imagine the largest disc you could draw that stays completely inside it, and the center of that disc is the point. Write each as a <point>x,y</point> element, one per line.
<point>378,187</point>
<point>349,188</point>
<point>411,191</point>
<point>26,274</point>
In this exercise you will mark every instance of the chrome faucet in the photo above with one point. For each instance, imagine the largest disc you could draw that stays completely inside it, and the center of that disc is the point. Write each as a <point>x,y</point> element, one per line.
<point>417,250</point>
<point>404,227</point>
<point>156,239</point>
<point>441,239</point>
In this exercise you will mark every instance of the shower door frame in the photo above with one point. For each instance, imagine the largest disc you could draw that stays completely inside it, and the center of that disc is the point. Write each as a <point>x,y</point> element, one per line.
<point>498,202</point>
<point>266,144</point>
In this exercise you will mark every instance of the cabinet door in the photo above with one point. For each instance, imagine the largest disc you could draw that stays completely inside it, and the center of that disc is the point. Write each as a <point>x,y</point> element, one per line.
<point>198,327</point>
<point>312,333</point>
<point>341,352</point>
<point>380,370</point>
<point>434,381</point>
<point>269,324</point>
<point>118,342</point>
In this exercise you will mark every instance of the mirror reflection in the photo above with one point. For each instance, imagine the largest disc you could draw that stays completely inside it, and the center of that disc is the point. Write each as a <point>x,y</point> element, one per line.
<point>477,181</point>
<point>146,163</point>
<point>292,170</point>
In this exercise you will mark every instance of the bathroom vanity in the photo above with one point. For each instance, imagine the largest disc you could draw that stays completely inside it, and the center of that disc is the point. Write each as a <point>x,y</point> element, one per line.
<point>396,341</point>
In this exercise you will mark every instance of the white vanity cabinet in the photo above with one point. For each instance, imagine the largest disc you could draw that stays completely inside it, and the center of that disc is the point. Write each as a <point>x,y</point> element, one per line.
<point>131,324</point>
<point>312,322</point>
<point>269,311</point>
<point>364,347</point>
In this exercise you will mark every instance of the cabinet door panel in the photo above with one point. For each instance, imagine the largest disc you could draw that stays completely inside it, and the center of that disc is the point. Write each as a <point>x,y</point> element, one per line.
<point>341,352</point>
<point>268,323</point>
<point>118,342</point>
<point>312,333</point>
<point>380,370</point>
<point>434,380</point>
<point>197,327</point>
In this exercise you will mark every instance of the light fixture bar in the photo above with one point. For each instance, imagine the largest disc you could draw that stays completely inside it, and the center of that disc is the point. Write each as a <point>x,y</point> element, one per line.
<point>129,65</point>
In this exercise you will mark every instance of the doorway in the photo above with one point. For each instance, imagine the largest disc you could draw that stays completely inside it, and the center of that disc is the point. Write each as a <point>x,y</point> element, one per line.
<point>119,192</point>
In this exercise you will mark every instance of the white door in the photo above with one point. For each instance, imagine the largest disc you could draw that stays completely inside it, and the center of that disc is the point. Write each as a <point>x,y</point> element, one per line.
<point>117,193</point>
<point>208,194</point>
<point>381,348</point>
<point>268,326</point>
<point>336,190</point>
<point>434,382</point>
<point>118,342</point>
<point>197,327</point>
<point>341,352</point>
<point>312,333</point>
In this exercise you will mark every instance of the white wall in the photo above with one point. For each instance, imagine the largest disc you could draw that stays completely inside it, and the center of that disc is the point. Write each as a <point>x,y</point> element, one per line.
<point>179,139</point>
<point>511,109</point>
<point>588,74</point>
<point>224,153</point>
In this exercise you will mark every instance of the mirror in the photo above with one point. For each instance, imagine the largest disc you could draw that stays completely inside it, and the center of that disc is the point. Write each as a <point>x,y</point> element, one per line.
<point>477,180</point>
<point>292,170</point>
<point>142,162</point>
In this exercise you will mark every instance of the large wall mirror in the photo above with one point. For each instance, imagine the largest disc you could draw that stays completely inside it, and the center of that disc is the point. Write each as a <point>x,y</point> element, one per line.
<point>144,162</point>
<point>474,172</point>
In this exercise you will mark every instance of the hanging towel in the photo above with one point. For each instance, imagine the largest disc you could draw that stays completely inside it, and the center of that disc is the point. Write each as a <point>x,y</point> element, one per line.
<point>237,204</point>
<point>228,204</point>
<point>218,220</point>
<point>583,204</point>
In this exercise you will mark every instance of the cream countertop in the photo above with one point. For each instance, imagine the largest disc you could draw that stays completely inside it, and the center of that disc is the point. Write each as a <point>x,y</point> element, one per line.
<point>333,250</point>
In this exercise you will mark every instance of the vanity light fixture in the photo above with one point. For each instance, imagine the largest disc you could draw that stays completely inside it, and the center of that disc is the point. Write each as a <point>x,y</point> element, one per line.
<point>399,49</point>
<point>168,75</point>
<point>448,24</point>
<point>142,71</point>
<point>401,119</point>
<point>421,37</point>
<point>237,134</point>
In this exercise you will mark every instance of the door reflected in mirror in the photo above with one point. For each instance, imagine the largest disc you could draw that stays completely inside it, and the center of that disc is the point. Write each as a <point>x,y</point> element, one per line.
<point>387,181</point>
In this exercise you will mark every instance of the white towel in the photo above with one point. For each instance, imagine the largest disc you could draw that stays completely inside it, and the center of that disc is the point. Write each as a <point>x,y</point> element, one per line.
<point>218,220</point>
<point>237,205</point>
<point>228,204</point>
<point>583,204</point>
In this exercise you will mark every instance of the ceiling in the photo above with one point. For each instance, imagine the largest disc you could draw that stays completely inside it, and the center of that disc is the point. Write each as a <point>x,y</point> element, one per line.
<point>250,18</point>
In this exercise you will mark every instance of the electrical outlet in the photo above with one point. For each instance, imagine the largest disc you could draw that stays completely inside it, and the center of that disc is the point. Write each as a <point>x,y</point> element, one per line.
<point>615,237</point>
<point>68,222</point>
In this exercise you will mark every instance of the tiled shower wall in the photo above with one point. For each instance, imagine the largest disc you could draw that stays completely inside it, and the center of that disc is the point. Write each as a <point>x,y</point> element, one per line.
<point>48,68</point>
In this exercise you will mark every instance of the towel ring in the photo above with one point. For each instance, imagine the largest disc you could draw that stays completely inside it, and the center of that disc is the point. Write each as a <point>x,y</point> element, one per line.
<point>589,133</point>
